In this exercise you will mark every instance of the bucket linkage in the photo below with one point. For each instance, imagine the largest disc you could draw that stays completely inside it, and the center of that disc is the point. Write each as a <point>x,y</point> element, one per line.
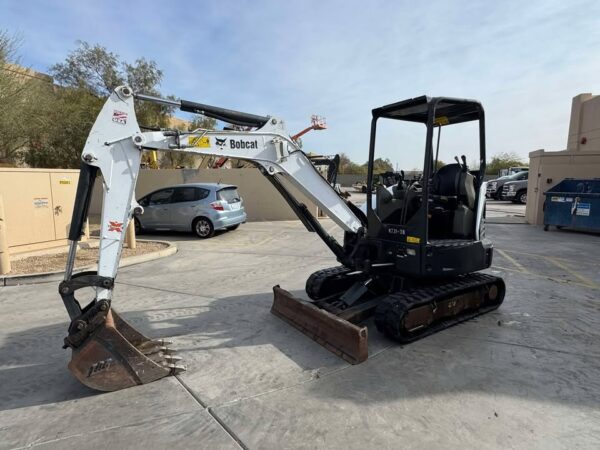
<point>108,353</point>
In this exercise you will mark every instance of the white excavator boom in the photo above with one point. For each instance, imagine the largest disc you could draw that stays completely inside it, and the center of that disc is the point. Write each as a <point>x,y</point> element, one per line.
<point>108,353</point>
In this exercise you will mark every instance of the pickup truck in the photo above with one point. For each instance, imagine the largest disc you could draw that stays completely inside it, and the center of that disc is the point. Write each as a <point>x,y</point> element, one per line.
<point>494,188</point>
<point>515,191</point>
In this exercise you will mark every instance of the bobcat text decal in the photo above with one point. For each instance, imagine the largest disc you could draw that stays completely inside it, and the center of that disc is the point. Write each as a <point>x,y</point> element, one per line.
<point>242,144</point>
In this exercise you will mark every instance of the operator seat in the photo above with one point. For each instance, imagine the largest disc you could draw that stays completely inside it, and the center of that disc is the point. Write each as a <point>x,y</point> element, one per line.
<point>446,181</point>
<point>453,187</point>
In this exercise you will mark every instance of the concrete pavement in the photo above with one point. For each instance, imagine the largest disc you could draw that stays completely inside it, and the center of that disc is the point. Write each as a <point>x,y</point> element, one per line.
<point>526,376</point>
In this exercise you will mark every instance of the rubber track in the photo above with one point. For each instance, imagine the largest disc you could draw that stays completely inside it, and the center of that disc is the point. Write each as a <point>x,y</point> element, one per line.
<point>391,311</point>
<point>316,282</point>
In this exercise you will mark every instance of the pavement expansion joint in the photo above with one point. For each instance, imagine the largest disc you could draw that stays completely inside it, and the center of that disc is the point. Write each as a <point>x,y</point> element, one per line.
<point>102,430</point>
<point>210,411</point>
<point>170,291</point>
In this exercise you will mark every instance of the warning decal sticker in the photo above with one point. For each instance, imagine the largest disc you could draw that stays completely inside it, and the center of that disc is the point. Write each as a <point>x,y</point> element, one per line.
<point>583,209</point>
<point>199,141</point>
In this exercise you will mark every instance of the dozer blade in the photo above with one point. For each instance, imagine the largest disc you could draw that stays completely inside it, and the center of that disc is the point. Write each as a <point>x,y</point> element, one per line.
<point>337,335</point>
<point>116,356</point>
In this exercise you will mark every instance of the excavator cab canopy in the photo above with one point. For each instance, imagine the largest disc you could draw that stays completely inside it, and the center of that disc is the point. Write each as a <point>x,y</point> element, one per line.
<point>447,110</point>
<point>443,203</point>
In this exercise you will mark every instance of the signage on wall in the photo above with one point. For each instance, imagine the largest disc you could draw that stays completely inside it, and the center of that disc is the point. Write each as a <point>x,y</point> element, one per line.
<point>41,202</point>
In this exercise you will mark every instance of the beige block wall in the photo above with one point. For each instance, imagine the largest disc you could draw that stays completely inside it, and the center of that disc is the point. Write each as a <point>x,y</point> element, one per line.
<point>547,169</point>
<point>585,123</point>
<point>38,205</point>
<point>261,201</point>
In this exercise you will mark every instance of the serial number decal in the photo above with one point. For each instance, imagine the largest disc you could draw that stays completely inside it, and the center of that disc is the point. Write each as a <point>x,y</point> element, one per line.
<point>396,231</point>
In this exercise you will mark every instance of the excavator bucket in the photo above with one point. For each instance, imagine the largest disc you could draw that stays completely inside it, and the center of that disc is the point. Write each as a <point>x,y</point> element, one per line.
<point>337,335</point>
<point>116,356</point>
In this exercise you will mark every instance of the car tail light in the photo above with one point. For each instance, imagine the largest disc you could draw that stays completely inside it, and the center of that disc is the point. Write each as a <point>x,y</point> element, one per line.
<point>218,206</point>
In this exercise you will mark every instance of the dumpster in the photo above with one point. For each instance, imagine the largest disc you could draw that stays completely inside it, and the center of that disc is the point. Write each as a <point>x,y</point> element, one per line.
<point>573,203</point>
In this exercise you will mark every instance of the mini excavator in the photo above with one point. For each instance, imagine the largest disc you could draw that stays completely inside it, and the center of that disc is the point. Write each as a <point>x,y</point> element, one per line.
<point>410,259</point>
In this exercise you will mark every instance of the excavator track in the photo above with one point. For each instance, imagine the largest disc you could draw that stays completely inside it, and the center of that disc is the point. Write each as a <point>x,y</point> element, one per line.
<point>420,311</point>
<point>328,282</point>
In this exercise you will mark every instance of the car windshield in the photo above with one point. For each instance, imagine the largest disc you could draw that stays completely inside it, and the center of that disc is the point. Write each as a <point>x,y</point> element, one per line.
<point>230,195</point>
<point>518,175</point>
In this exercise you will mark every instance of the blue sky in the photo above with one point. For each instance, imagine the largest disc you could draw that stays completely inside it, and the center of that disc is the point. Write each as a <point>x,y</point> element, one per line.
<point>524,60</point>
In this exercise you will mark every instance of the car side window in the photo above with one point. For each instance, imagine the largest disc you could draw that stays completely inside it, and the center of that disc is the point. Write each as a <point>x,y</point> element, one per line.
<point>184,194</point>
<point>161,197</point>
<point>143,201</point>
<point>202,193</point>
<point>524,176</point>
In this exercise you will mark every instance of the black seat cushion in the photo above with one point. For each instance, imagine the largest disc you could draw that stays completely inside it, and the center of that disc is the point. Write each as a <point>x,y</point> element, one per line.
<point>446,179</point>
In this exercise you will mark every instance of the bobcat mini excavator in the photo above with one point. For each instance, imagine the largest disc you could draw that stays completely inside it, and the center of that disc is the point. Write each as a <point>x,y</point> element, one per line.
<point>411,260</point>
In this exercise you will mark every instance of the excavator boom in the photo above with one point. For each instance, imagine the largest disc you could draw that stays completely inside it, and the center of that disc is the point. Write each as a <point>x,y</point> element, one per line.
<point>108,353</point>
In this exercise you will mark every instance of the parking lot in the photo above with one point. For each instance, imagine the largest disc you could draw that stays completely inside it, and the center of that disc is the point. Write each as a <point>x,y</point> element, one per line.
<point>525,376</point>
<point>494,208</point>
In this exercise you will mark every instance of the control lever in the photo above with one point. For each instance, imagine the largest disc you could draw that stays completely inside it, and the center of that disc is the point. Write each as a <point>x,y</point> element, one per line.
<point>464,160</point>
<point>401,181</point>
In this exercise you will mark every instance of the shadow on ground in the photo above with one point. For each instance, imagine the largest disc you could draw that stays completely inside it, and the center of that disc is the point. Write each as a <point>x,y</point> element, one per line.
<point>469,357</point>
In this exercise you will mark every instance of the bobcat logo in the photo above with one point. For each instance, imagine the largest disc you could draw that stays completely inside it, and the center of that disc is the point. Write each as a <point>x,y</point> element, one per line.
<point>115,226</point>
<point>220,142</point>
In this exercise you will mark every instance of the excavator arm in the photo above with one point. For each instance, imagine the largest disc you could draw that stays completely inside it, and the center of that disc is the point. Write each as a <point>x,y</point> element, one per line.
<point>115,145</point>
<point>108,353</point>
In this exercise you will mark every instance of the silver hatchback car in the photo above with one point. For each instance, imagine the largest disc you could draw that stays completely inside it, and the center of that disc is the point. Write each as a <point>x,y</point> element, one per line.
<point>198,207</point>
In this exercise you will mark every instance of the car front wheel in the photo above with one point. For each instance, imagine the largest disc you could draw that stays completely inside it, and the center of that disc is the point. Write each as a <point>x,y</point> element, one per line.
<point>203,228</point>
<point>522,197</point>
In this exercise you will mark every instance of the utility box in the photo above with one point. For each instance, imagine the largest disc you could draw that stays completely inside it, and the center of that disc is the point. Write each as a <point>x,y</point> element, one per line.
<point>38,206</point>
<point>573,203</point>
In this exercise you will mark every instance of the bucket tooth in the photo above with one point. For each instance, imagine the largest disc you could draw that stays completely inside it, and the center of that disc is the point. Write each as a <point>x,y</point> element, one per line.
<point>175,368</point>
<point>337,335</point>
<point>151,349</point>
